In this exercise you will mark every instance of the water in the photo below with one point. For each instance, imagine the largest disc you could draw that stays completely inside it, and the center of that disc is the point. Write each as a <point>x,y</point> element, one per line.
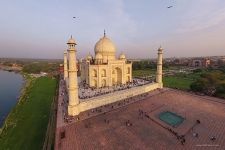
<point>10,86</point>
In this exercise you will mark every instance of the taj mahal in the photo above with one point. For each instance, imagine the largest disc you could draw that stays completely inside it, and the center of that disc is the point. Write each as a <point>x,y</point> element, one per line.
<point>102,105</point>
<point>104,69</point>
<point>104,78</point>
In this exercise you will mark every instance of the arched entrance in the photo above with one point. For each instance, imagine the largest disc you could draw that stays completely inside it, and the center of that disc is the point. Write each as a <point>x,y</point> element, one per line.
<point>103,83</point>
<point>117,76</point>
<point>94,73</point>
<point>197,63</point>
<point>128,79</point>
<point>94,83</point>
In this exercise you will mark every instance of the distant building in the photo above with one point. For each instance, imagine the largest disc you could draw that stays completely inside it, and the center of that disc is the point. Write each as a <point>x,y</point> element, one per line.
<point>200,62</point>
<point>221,61</point>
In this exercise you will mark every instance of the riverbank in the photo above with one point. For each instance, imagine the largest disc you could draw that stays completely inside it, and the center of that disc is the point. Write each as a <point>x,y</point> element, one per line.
<point>26,124</point>
<point>27,80</point>
<point>11,86</point>
<point>11,68</point>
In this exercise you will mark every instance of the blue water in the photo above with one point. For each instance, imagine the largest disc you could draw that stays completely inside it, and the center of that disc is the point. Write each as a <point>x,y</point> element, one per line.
<point>10,86</point>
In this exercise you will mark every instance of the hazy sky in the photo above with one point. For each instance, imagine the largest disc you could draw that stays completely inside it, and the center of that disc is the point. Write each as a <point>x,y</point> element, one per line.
<point>41,28</point>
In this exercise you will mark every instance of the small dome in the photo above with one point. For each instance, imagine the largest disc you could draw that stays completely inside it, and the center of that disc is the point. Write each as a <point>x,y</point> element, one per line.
<point>160,48</point>
<point>122,56</point>
<point>89,57</point>
<point>98,56</point>
<point>71,41</point>
<point>105,46</point>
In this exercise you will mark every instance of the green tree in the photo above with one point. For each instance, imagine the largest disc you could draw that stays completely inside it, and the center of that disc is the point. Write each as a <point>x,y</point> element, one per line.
<point>211,83</point>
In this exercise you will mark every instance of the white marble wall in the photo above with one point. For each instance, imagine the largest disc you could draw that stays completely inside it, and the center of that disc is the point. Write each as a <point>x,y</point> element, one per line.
<point>114,97</point>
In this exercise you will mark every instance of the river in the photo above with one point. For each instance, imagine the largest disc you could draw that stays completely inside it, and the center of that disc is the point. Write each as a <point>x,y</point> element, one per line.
<point>10,86</point>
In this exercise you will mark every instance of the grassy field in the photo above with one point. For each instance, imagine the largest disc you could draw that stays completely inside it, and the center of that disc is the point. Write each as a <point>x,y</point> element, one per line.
<point>180,81</point>
<point>177,82</point>
<point>26,125</point>
<point>144,72</point>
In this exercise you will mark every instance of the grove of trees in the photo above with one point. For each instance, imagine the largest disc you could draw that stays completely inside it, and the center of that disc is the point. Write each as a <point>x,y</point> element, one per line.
<point>140,65</point>
<point>211,83</point>
<point>40,67</point>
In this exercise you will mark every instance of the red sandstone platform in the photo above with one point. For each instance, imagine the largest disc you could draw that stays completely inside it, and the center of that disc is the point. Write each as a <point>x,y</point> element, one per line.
<point>110,130</point>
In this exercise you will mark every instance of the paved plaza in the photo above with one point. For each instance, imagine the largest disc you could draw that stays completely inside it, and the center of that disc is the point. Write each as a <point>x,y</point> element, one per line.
<point>136,125</point>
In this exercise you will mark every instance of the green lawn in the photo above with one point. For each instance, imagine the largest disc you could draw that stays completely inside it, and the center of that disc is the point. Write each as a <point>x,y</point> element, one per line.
<point>27,123</point>
<point>180,81</point>
<point>177,82</point>
<point>143,72</point>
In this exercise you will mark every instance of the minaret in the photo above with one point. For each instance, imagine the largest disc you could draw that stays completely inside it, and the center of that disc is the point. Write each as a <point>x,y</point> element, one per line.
<point>65,66</point>
<point>73,88</point>
<point>159,68</point>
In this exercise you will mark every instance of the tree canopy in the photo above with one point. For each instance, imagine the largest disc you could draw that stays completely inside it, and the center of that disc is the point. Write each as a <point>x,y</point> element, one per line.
<point>210,83</point>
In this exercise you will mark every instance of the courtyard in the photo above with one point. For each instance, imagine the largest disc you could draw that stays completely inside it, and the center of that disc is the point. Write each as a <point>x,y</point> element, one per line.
<point>137,125</point>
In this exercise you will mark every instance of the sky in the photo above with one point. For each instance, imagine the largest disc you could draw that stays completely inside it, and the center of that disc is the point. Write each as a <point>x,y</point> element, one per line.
<point>41,28</point>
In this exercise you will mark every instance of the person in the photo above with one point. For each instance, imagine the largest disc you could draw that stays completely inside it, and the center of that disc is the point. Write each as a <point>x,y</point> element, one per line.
<point>182,141</point>
<point>128,123</point>
<point>195,134</point>
<point>213,138</point>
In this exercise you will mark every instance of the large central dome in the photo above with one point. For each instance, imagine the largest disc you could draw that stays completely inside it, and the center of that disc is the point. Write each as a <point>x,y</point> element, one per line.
<point>105,47</point>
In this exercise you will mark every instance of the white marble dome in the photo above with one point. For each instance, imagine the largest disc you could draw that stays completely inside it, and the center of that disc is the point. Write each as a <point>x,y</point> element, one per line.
<point>122,56</point>
<point>71,41</point>
<point>89,57</point>
<point>105,47</point>
<point>98,56</point>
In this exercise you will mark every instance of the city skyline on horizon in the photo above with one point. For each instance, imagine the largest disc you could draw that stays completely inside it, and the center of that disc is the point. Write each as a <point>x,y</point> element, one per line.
<point>150,58</point>
<point>41,29</point>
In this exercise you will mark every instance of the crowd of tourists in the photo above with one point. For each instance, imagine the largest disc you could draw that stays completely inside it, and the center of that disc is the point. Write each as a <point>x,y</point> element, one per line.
<point>63,95</point>
<point>87,92</point>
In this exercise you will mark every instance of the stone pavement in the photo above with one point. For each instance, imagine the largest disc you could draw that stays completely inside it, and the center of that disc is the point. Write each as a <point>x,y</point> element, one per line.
<point>127,127</point>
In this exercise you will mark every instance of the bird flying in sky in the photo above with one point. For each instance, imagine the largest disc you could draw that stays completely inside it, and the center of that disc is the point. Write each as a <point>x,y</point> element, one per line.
<point>169,6</point>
